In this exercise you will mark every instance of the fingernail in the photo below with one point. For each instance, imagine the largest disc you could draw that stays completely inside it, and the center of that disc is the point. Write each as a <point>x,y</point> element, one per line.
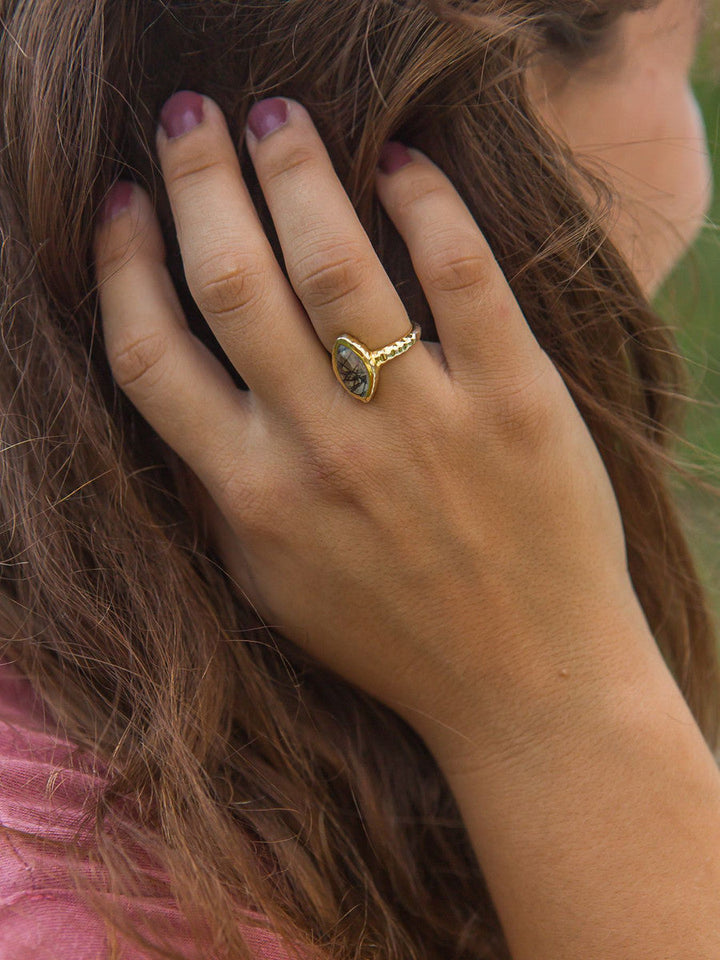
<point>117,200</point>
<point>182,112</point>
<point>266,116</point>
<point>393,156</point>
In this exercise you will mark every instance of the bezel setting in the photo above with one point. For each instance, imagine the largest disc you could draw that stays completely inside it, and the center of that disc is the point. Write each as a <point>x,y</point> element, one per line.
<point>347,371</point>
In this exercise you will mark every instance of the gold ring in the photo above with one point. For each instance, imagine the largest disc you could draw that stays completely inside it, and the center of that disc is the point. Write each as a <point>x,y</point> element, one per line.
<point>356,366</point>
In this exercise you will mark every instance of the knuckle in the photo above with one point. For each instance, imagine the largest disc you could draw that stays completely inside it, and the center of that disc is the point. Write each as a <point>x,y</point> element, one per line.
<point>291,161</point>
<point>416,189</point>
<point>331,465</point>
<point>330,273</point>
<point>229,284</point>
<point>119,246</point>
<point>189,167</point>
<point>250,495</point>
<point>139,359</point>
<point>457,268</point>
<point>334,471</point>
<point>527,411</point>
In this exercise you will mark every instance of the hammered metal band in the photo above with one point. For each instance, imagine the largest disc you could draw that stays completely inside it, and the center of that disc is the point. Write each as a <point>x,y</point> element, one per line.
<point>356,366</point>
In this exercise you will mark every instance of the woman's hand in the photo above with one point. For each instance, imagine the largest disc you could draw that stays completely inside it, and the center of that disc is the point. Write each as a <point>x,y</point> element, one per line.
<point>452,538</point>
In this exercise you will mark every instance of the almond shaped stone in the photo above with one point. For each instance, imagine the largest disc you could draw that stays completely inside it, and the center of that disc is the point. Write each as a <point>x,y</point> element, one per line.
<point>352,370</point>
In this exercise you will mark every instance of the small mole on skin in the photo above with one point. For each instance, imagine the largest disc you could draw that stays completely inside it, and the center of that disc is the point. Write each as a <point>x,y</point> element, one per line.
<point>564,672</point>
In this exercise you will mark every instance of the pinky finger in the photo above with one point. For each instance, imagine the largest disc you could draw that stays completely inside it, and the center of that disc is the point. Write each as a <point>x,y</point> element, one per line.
<point>176,383</point>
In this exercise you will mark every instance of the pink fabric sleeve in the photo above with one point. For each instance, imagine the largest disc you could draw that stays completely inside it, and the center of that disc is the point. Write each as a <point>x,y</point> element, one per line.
<point>43,793</point>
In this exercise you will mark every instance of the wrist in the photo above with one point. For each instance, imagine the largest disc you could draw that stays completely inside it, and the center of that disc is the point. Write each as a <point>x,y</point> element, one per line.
<point>597,821</point>
<point>512,712</point>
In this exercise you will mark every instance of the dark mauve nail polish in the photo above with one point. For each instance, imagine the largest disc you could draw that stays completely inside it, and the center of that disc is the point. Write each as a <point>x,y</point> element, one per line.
<point>393,156</point>
<point>182,112</point>
<point>265,116</point>
<point>116,201</point>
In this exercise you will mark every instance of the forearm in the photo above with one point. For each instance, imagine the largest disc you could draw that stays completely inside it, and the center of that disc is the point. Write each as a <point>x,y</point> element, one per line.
<point>598,831</point>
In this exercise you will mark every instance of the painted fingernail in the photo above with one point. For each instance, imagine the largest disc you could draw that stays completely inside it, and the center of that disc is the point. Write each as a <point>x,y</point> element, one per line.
<point>119,199</point>
<point>393,156</point>
<point>266,116</point>
<point>182,112</point>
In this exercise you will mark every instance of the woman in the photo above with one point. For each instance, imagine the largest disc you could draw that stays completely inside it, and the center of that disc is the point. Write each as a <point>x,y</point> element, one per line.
<point>428,676</point>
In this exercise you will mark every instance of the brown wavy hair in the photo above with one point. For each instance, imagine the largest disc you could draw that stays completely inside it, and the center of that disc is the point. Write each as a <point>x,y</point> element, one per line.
<point>247,770</point>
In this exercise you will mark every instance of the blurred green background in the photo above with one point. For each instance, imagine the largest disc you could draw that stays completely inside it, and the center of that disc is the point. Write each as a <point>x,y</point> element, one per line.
<point>690,302</point>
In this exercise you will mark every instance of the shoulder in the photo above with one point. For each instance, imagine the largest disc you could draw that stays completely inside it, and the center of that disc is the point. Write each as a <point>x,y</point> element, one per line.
<point>46,782</point>
<point>46,788</point>
<point>44,792</point>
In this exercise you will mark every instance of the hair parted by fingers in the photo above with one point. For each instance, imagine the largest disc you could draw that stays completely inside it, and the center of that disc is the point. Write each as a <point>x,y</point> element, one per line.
<point>254,775</point>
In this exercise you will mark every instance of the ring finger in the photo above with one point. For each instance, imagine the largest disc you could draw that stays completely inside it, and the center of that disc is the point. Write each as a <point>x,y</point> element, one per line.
<point>232,272</point>
<point>332,265</point>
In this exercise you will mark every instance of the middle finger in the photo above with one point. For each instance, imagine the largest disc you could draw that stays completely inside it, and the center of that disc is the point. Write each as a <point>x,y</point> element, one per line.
<point>236,280</point>
<point>229,264</point>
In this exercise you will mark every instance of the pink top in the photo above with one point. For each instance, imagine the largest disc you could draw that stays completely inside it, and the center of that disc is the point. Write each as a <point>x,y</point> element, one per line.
<point>41,914</point>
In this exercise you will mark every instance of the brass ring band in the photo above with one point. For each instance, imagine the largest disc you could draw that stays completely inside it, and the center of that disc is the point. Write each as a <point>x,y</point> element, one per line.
<point>356,366</point>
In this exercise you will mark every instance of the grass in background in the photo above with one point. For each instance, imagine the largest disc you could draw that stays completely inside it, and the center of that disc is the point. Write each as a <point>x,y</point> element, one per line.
<point>690,302</point>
